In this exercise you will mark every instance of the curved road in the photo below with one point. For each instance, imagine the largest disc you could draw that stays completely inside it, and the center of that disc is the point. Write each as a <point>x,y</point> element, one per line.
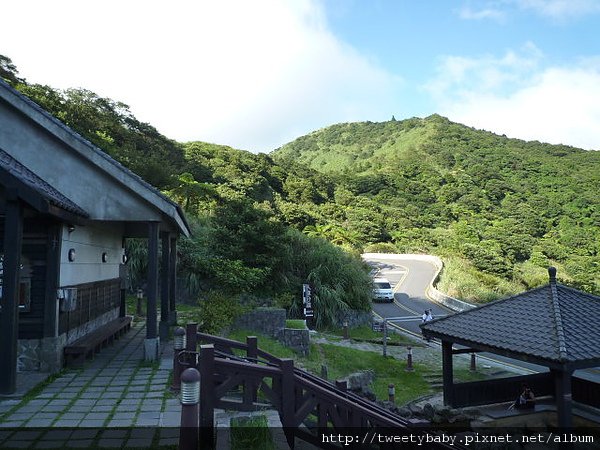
<point>410,278</point>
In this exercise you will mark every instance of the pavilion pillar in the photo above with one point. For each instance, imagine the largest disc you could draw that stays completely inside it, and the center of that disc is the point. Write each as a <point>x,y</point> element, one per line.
<point>164,286</point>
<point>447,373</point>
<point>9,318</point>
<point>563,397</point>
<point>54,239</point>
<point>173,282</point>
<point>152,342</point>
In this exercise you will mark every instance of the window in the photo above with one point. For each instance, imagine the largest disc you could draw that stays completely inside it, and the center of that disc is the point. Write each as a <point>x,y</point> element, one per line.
<point>24,283</point>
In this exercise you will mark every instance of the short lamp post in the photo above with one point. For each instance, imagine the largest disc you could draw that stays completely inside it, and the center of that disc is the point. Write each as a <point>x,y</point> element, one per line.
<point>178,346</point>
<point>473,366</point>
<point>140,297</point>
<point>409,360</point>
<point>190,409</point>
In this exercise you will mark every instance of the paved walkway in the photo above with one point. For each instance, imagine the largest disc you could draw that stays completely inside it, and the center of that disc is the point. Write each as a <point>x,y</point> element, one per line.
<point>116,401</point>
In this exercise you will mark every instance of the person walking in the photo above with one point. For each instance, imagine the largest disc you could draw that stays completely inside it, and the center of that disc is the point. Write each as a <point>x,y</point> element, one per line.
<point>426,317</point>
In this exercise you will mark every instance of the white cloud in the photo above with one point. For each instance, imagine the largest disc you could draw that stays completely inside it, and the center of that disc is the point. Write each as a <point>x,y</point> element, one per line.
<point>559,105</point>
<point>556,10</point>
<point>252,75</point>
<point>467,13</point>
<point>458,75</point>
<point>561,9</point>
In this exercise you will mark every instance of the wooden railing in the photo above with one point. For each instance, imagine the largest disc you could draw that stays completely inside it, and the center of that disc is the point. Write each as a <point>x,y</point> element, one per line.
<point>241,377</point>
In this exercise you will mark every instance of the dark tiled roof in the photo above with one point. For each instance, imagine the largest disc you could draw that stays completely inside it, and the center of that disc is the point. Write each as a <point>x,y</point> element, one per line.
<point>553,322</point>
<point>26,176</point>
<point>99,152</point>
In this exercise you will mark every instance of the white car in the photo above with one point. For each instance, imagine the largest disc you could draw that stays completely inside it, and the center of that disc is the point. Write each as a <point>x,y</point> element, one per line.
<point>382,290</point>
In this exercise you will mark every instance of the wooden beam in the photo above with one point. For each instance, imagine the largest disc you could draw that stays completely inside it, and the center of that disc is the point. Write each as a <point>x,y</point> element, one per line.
<point>503,352</point>
<point>459,351</point>
<point>164,284</point>
<point>173,281</point>
<point>53,244</point>
<point>151,328</point>
<point>563,397</point>
<point>447,373</point>
<point>9,318</point>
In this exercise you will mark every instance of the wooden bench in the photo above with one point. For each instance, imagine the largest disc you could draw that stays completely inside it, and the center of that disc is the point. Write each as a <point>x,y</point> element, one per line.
<point>77,351</point>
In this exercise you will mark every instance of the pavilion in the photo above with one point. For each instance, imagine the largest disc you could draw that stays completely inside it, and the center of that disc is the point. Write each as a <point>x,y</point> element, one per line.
<point>553,326</point>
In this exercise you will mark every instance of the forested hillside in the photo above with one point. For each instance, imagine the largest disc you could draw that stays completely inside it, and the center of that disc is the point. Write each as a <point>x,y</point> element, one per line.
<point>497,210</point>
<point>241,253</point>
<point>500,210</point>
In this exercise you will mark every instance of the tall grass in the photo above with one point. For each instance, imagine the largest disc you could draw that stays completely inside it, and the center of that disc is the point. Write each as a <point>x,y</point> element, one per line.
<point>461,280</point>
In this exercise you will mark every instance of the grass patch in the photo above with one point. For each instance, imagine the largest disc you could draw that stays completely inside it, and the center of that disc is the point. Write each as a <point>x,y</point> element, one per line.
<point>342,361</point>
<point>131,305</point>
<point>187,314</point>
<point>366,333</point>
<point>295,324</point>
<point>466,375</point>
<point>251,432</point>
<point>268,344</point>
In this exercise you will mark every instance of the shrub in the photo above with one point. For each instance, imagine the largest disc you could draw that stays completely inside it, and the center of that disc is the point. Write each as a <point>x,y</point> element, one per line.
<point>217,312</point>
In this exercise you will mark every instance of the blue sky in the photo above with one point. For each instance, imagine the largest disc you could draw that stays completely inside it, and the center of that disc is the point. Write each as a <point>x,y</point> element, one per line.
<point>257,74</point>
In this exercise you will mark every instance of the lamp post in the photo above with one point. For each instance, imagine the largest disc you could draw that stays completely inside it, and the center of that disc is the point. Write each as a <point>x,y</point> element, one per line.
<point>178,347</point>
<point>140,297</point>
<point>190,408</point>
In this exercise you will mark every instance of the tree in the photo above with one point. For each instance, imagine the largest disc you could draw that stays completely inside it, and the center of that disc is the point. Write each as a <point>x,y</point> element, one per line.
<point>9,72</point>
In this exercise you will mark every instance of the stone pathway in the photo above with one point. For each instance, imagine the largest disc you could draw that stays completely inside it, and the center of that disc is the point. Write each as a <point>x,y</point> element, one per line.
<point>116,401</point>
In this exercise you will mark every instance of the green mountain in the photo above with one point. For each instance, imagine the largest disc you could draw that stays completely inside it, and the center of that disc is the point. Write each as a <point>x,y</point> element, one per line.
<point>497,210</point>
<point>501,209</point>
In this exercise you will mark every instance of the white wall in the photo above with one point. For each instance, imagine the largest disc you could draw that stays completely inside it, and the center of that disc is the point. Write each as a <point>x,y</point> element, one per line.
<point>89,243</point>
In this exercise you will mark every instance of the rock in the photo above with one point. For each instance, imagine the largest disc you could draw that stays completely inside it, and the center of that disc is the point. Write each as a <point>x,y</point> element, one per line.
<point>459,419</point>
<point>360,381</point>
<point>445,412</point>
<point>428,411</point>
<point>437,419</point>
<point>404,412</point>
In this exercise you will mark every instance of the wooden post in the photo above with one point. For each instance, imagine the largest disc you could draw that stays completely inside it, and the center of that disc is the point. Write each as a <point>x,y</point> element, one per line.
<point>287,396</point>
<point>473,366</point>
<point>164,285</point>
<point>151,344</point>
<point>447,371</point>
<point>9,319</point>
<point>191,337</point>
<point>385,338</point>
<point>564,401</point>
<point>251,388</point>
<point>207,391</point>
<point>173,282</point>
<point>54,240</point>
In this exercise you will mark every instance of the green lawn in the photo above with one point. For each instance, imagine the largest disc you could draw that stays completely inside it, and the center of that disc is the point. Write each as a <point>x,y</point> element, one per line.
<point>342,361</point>
<point>366,333</point>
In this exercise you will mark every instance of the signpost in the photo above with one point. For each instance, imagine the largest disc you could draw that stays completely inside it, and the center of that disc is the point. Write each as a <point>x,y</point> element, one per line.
<point>307,301</point>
